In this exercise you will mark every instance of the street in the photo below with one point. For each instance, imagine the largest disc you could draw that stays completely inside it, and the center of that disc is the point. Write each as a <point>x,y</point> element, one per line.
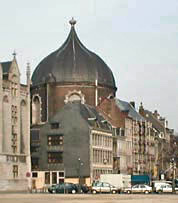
<point>98,198</point>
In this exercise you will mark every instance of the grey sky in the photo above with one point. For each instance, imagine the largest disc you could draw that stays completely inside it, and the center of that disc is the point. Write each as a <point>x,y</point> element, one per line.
<point>138,39</point>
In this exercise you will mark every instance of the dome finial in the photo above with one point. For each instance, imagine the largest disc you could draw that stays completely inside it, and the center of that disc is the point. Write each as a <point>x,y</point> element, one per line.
<point>72,21</point>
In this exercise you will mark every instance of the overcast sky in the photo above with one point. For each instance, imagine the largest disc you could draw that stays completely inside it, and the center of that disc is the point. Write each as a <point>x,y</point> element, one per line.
<point>138,39</point>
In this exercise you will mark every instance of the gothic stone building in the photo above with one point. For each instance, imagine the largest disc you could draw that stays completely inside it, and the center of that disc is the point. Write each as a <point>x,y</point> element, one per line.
<point>14,129</point>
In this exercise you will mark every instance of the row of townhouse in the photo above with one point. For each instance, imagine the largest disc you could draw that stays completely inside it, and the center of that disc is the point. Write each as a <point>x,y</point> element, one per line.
<point>142,140</point>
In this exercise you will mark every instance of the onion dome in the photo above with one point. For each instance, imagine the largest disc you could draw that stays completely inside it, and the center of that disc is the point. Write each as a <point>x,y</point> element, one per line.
<point>73,63</point>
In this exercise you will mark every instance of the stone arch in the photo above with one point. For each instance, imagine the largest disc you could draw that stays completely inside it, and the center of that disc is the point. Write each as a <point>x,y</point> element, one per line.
<point>74,96</point>
<point>23,103</point>
<point>36,109</point>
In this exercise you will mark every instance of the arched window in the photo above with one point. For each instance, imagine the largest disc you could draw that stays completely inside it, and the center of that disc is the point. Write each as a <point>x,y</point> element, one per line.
<point>23,127</point>
<point>5,116</point>
<point>14,85</point>
<point>74,96</point>
<point>36,110</point>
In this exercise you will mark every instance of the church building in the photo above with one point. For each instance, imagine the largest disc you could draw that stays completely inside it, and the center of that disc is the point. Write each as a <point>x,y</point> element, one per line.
<point>67,85</point>
<point>15,164</point>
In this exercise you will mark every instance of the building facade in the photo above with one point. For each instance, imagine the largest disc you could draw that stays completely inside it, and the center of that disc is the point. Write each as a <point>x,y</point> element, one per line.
<point>76,145</point>
<point>160,140</point>
<point>15,165</point>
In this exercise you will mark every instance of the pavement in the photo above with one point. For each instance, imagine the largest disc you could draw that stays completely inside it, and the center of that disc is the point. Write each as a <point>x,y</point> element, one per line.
<point>88,198</point>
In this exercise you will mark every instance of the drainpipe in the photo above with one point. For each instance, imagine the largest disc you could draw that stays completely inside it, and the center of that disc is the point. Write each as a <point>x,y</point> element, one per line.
<point>96,92</point>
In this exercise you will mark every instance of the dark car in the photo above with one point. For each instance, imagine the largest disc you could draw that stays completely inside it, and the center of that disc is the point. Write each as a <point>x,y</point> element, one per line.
<point>84,188</point>
<point>63,188</point>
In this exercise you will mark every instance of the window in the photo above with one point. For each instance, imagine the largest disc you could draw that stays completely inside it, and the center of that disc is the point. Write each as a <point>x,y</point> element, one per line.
<point>35,149</point>
<point>74,97</point>
<point>35,137</point>
<point>54,177</point>
<point>61,174</point>
<point>55,157</point>
<point>47,178</point>
<point>36,110</point>
<point>55,125</point>
<point>35,163</point>
<point>35,175</point>
<point>55,140</point>
<point>15,171</point>
<point>106,185</point>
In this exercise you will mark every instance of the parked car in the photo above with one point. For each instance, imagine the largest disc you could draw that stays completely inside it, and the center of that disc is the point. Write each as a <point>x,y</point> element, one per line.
<point>156,185</point>
<point>139,188</point>
<point>102,187</point>
<point>84,188</point>
<point>166,189</point>
<point>63,188</point>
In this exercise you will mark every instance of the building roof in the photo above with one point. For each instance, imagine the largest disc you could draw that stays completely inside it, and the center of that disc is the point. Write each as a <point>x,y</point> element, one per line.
<point>155,122</point>
<point>73,62</point>
<point>127,107</point>
<point>88,113</point>
<point>6,66</point>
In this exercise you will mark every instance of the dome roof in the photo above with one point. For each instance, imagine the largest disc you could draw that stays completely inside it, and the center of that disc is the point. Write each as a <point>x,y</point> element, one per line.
<point>73,62</point>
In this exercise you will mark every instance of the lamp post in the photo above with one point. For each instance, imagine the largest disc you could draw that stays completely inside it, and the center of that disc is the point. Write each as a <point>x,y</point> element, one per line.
<point>173,166</point>
<point>80,163</point>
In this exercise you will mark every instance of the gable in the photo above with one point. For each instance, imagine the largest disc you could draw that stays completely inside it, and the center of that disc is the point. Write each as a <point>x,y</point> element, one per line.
<point>14,69</point>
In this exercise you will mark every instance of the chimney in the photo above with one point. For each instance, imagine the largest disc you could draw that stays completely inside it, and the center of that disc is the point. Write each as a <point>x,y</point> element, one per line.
<point>166,124</point>
<point>162,120</point>
<point>156,114</point>
<point>132,103</point>
<point>141,109</point>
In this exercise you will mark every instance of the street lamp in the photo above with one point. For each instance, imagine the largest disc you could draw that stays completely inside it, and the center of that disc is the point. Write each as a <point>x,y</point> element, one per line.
<point>80,163</point>
<point>173,166</point>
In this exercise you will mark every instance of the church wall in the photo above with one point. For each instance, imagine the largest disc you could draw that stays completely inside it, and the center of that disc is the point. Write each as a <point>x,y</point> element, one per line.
<point>53,97</point>
<point>57,95</point>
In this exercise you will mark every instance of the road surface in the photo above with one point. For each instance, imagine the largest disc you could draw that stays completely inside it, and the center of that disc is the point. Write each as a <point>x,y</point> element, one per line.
<point>88,198</point>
